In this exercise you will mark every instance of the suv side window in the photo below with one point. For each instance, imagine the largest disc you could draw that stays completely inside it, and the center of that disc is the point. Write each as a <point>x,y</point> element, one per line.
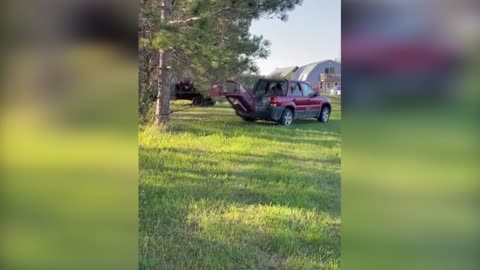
<point>295,90</point>
<point>307,90</point>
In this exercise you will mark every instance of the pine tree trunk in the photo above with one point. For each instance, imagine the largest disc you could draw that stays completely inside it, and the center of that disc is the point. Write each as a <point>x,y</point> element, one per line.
<point>163,97</point>
<point>162,109</point>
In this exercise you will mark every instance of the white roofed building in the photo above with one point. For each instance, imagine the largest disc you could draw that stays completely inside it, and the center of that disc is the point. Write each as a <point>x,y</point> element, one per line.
<point>323,75</point>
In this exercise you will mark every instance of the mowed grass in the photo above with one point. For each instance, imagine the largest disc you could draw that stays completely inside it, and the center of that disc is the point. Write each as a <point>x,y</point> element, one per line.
<point>219,193</point>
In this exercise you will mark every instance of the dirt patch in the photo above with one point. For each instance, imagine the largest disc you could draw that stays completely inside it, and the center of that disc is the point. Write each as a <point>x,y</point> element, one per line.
<point>193,226</point>
<point>271,261</point>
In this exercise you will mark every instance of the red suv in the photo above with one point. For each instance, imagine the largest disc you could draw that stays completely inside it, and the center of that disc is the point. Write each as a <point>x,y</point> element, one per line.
<point>280,100</point>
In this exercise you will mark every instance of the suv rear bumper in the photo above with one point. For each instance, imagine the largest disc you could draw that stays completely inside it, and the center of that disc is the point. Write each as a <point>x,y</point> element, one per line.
<point>271,113</point>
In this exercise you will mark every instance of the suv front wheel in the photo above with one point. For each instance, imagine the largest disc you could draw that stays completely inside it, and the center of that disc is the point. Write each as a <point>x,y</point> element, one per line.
<point>324,114</point>
<point>287,117</point>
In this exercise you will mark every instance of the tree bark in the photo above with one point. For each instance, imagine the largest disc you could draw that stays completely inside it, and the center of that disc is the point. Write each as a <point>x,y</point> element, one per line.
<point>162,110</point>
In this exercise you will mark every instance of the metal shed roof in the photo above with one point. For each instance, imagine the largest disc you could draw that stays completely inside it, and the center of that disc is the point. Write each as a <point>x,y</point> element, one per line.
<point>283,72</point>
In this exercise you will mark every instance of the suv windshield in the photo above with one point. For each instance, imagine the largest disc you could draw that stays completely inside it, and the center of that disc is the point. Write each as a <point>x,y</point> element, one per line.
<point>270,88</point>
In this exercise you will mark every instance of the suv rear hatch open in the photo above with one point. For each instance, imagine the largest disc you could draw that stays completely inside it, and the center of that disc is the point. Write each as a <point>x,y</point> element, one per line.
<point>242,101</point>
<point>259,98</point>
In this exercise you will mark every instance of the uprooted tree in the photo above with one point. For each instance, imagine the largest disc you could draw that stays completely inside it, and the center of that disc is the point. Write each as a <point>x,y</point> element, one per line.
<point>201,39</point>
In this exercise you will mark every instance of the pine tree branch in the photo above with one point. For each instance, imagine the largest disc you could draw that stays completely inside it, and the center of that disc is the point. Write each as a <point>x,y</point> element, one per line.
<point>197,18</point>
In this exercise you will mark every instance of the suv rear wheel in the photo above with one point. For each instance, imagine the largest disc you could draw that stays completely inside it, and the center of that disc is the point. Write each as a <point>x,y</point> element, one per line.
<point>248,119</point>
<point>287,117</point>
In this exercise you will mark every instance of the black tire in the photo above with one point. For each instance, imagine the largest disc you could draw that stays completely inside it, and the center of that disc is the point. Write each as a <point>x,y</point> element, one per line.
<point>248,119</point>
<point>324,114</point>
<point>287,118</point>
<point>197,101</point>
<point>208,102</point>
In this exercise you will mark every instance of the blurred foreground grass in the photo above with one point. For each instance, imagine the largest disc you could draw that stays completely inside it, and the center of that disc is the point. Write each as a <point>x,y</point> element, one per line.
<point>410,183</point>
<point>69,154</point>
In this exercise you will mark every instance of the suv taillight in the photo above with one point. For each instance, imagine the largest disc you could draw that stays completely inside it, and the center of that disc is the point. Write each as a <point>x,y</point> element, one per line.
<point>274,101</point>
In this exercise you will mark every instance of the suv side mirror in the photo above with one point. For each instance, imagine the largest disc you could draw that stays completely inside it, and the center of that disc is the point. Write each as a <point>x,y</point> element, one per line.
<point>312,95</point>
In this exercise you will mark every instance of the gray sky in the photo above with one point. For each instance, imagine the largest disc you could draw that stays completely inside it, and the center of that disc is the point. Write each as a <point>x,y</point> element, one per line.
<point>311,34</point>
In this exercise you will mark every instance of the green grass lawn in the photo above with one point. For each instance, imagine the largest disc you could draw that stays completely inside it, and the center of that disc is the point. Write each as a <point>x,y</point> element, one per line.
<point>219,193</point>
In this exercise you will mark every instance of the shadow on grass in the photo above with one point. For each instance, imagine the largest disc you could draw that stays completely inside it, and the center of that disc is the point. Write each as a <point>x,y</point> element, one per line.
<point>218,253</point>
<point>300,184</point>
<point>210,239</point>
<point>185,194</point>
<point>304,132</point>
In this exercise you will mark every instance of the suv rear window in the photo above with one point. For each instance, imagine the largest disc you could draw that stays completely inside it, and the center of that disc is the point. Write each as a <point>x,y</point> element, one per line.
<point>270,88</point>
